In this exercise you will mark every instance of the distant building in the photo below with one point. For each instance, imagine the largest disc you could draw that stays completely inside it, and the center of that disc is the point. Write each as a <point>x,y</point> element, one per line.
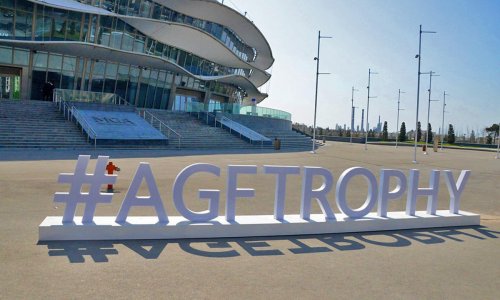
<point>378,129</point>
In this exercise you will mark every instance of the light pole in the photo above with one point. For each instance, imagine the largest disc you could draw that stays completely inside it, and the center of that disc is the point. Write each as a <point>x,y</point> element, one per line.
<point>498,148</point>
<point>442,122</point>
<point>368,108</point>
<point>429,109</point>
<point>352,111</point>
<point>397,119</point>
<point>419,56</point>
<point>316,94</point>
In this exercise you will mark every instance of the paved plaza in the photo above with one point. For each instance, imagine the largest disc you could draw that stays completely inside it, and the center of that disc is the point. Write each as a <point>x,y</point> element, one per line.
<point>442,263</point>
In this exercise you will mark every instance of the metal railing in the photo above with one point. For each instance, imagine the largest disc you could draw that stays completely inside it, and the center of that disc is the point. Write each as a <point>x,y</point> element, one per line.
<point>265,112</point>
<point>232,126</point>
<point>86,127</point>
<point>61,95</point>
<point>242,130</point>
<point>164,128</point>
<point>70,112</point>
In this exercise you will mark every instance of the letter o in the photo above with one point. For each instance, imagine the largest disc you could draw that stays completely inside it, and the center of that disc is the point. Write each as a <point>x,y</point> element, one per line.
<point>340,194</point>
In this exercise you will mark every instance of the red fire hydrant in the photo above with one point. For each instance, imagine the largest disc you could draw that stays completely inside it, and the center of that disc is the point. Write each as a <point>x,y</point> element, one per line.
<point>111,168</point>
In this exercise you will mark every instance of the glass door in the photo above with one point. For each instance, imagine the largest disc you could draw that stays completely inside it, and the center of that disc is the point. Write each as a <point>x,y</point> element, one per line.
<point>10,83</point>
<point>186,103</point>
<point>10,87</point>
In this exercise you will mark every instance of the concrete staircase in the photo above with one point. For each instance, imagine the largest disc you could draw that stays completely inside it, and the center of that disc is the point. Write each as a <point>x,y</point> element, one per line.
<point>37,124</point>
<point>198,135</point>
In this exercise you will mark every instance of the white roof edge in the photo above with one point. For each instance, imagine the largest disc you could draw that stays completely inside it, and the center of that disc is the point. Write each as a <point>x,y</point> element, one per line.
<point>218,13</point>
<point>163,35</point>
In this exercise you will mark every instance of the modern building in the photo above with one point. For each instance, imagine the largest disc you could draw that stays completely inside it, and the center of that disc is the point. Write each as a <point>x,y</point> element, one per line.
<point>165,54</point>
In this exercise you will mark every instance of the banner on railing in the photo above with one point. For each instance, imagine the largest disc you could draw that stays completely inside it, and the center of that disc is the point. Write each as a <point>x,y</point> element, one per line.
<point>117,125</point>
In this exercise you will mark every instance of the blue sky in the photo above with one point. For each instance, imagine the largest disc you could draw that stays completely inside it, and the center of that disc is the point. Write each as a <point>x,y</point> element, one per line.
<point>383,35</point>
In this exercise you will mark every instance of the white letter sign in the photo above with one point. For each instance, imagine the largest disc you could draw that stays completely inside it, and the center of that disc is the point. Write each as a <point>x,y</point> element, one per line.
<point>319,194</point>
<point>279,195</point>
<point>233,191</point>
<point>371,198</point>
<point>211,195</point>
<point>154,198</point>
<point>209,224</point>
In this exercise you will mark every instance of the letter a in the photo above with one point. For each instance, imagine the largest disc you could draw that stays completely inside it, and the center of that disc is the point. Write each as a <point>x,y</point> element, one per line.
<point>131,199</point>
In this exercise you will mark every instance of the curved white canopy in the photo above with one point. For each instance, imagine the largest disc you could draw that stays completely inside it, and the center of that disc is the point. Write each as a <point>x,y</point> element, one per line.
<point>216,12</point>
<point>197,41</point>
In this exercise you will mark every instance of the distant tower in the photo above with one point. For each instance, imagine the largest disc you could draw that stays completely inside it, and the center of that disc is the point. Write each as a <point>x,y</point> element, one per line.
<point>362,120</point>
<point>352,118</point>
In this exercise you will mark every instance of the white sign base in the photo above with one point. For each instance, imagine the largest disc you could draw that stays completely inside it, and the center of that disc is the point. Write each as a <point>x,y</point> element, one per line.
<point>105,228</point>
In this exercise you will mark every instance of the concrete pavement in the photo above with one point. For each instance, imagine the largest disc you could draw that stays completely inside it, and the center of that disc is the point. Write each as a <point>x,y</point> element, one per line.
<point>458,263</point>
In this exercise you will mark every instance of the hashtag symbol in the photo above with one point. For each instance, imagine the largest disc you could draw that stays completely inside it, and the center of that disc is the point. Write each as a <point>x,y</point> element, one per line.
<point>75,194</point>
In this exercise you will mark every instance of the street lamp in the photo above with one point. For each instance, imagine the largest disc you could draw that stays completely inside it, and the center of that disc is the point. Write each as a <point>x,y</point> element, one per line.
<point>397,119</point>
<point>352,111</point>
<point>419,56</point>
<point>442,122</point>
<point>429,109</point>
<point>316,94</point>
<point>368,108</point>
<point>498,148</point>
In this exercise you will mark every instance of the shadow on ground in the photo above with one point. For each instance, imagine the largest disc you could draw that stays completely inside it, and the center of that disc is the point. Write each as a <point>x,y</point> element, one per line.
<point>99,251</point>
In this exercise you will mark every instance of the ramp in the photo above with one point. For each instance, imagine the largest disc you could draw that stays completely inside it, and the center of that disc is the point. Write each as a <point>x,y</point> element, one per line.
<point>119,128</point>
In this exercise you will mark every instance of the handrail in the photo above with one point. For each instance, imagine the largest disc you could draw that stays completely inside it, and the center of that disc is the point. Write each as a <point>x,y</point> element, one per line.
<point>84,124</point>
<point>243,130</point>
<point>87,96</point>
<point>161,125</point>
<point>122,100</point>
<point>71,112</point>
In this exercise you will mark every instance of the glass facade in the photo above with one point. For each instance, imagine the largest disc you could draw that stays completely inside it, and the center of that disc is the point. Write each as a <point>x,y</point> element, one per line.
<point>153,10</point>
<point>52,24</point>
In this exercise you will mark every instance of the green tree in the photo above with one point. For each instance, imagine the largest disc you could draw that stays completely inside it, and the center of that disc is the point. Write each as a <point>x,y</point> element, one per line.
<point>402,132</point>
<point>429,133</point>
<point>385,134</point>
<point>451,135</point>
<point>419,132</point>
<point>492,130</point>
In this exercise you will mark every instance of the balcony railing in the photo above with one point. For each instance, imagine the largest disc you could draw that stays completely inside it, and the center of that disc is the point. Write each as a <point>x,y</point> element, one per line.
<point>61,95</point>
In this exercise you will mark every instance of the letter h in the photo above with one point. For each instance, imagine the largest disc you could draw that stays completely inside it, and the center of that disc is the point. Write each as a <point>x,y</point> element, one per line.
<point>414,191</point>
